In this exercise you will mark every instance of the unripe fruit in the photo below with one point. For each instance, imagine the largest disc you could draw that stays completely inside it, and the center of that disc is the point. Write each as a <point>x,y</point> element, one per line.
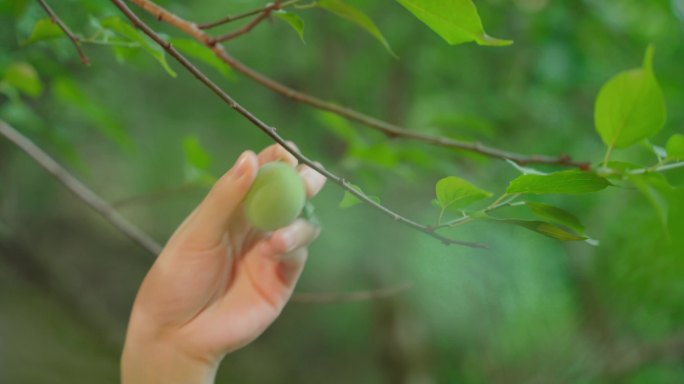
<point>276,197</point>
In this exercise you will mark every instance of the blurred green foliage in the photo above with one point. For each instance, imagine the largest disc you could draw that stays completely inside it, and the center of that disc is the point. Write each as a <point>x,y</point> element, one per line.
<point>529,309</point>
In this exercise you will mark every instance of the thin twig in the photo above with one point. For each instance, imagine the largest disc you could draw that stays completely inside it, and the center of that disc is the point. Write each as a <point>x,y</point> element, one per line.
<point>244,29</point>
<point>271,131</point>
<point>349,297</point>
<point>79,190</point>
<point>111,43</point>
<point>657,168</point>
<point>74,39</point>
<point>154,195</point>
<point>503,201</point>
<point>99,205</point>
<point>253,12</point>
<point>391,130</point>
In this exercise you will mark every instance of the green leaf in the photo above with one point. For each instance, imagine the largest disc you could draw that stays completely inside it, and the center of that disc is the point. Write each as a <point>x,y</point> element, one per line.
<point>675,147</point>
<point>565,182</point>
<point>622,166</point>
<point>124,54</point>
<point>309,213</point>
<point>454,193</point>
<point>67,92</point>
<point>128,31</point>
<point>524,170</point>
<point>197,162</point>
<point>23,77</point>
<point>21,115</point>
<point>44,29</point>
<point>293,20</point>
<point>381,154</point>
<point>655,188</point>
<point>357,17</point>
<point>630,107</point>
<point>547,229</point>
<point>105,36</point>
<point>656,150</point>
<point>556,215</point>
<point>349,200</point>
<point>195,154</point>
<point>456,21</point>
<point>339,126</point>
<point>192,48</point>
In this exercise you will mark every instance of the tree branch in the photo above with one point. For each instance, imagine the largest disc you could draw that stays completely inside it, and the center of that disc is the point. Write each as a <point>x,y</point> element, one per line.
<point>657,168</point>
<point>271,131</point>
<point>349,297</point>
<point>155,196</point>
<point>99,205</point>
<point>23,261</point>
<point>79,190</point>
<point>503,201</point>
<point>391,130</point>
<point>245,29</point>
<point>74,39</point>
<point>228,19</point>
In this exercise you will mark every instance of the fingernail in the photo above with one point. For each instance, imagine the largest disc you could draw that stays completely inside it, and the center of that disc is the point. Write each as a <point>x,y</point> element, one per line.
<point>241,165</point>
<point>289,235</point>
<point>293,145</point>
<point>314,180</point>
<point>299,234</point>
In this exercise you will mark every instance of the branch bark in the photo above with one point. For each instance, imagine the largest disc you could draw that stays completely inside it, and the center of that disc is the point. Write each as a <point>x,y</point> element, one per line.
<point>350,297</point>
<point>22,261</point>
<point>95,202</point>
<point>241,31</point>
<point>247,27</point>
<point>155,196</point>
<point>272,133</point>
<point>275,6</point>
<point>657,168</point>
<point>74,39</point>
<point>79,190</point>
<point>391,130</point>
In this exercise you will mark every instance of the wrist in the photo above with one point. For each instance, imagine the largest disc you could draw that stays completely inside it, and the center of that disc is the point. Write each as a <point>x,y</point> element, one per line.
<point>155,362</point>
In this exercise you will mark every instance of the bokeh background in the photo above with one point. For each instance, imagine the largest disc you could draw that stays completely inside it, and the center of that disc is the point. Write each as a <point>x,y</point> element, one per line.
<point>528,310</point>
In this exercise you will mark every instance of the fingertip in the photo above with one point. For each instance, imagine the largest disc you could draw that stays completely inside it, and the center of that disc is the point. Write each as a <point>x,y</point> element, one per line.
<point>313,180</point>
<point>296,235</point>
<point>289,270</point>
<point>248,159</point>
<point>293,145</point>
<point>240,176</point>
<point>276,152</point>
<point>251,165</point>
<point>208,223</point>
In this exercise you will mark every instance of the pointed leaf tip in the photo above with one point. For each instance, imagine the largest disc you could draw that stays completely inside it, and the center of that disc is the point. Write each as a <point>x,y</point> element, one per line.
<point>456,21</point>
<point>630,107</point>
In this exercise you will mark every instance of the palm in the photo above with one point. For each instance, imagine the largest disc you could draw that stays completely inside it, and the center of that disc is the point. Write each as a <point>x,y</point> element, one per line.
<point>233,293</point>
<point>218,290</point>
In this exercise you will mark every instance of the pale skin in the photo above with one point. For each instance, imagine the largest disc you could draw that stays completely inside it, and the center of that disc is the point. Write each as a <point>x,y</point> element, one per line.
<point>217,284</point>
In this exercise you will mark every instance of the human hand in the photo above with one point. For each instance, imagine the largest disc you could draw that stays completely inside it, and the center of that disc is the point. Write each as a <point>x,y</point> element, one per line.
<point>217,284</point>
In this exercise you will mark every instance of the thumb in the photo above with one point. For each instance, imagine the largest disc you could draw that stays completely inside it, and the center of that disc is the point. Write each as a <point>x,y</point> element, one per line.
<point>207,224</point>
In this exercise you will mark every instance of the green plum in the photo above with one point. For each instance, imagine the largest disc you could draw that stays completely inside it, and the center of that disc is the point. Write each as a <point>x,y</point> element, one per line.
<point>276,197</point>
